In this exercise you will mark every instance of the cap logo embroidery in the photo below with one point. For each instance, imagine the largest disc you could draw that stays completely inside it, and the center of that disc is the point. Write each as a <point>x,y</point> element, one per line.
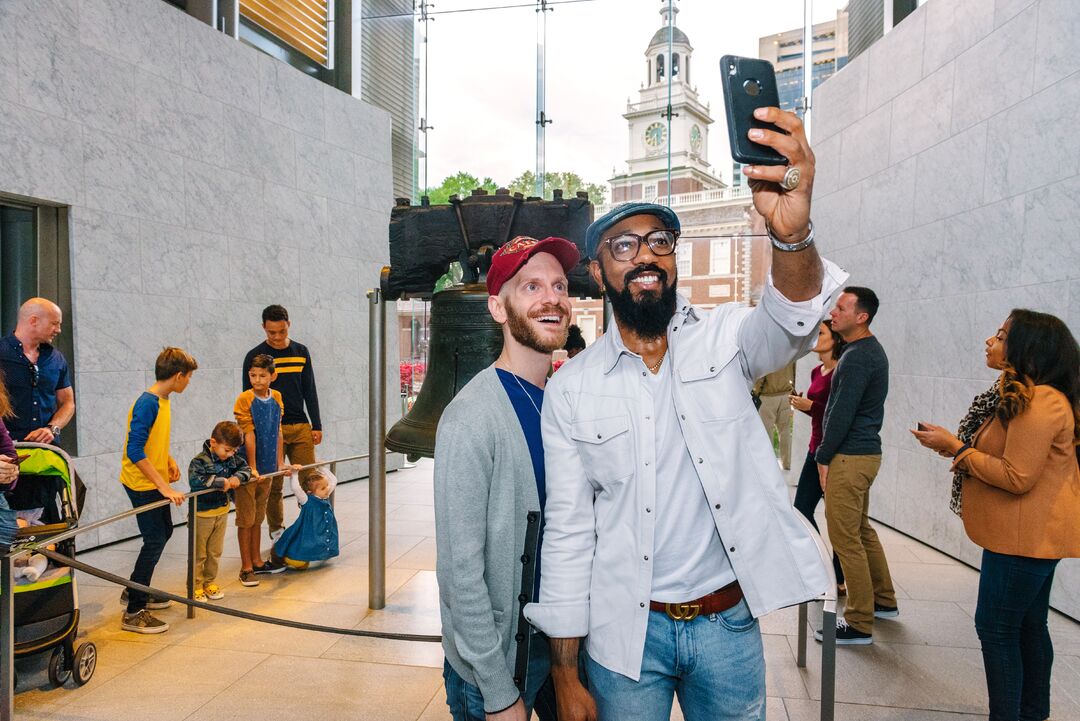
<point>518,245</point>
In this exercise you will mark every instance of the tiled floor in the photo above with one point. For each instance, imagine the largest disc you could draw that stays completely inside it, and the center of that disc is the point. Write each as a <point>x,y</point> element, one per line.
<point>923,666</point>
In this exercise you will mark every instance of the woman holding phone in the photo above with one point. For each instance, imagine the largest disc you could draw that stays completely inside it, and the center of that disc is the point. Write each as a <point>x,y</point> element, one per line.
<point>828,347</point>
<point>9,473</point>
<point>1017,487</point>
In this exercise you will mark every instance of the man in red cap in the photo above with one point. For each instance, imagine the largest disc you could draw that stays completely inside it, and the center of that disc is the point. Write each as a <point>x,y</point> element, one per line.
<point>489,476</point>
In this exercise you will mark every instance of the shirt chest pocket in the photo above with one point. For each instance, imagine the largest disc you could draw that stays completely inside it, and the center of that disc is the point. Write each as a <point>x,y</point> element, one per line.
<point>714,388</point>
<point>606,448</point>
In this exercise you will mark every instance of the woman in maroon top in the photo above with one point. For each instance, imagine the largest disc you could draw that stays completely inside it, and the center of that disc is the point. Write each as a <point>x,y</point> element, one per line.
<point>9,473</point>
<point>829,346</point>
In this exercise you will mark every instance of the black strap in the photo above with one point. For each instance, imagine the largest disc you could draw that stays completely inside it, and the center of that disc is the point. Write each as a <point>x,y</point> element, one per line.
<point>528,574</point>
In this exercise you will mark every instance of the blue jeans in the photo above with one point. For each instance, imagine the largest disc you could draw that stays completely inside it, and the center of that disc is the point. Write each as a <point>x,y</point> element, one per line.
<point>467,703</point>
<point>156,529</point>
<point>715,664</point>
<point>1014,598</point>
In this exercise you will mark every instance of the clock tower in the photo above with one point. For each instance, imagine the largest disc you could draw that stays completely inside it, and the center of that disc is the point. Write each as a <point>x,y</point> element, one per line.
<point>667,67</point>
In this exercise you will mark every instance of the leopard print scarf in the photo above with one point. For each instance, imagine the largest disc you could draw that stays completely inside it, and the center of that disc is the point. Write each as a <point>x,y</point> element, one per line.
<point>982,409</point>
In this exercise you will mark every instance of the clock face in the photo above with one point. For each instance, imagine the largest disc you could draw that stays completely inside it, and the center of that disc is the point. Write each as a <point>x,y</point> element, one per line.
<point>695,139</point>
<point>655,135</point>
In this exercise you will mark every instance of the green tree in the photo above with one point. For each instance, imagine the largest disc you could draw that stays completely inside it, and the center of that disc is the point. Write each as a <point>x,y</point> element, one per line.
<point>570,183</point>
<point>461,184</point>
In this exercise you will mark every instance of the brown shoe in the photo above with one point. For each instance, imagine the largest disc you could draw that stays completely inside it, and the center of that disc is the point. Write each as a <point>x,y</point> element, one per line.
<point>247,578</point>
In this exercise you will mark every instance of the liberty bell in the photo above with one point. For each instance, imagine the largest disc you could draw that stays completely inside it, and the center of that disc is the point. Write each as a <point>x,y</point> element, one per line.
<point>424,241</point>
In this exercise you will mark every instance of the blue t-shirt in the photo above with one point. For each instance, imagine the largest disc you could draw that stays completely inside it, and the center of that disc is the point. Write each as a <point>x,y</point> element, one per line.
<point>266,417</point>
<point>31,386</point>
<point>528,401</point>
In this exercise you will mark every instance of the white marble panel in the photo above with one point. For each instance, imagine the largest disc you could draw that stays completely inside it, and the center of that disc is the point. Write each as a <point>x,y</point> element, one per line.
<point>1055,50</point>
<point>357,126</point>
<point>983,248</point>
<point>61,76</point>
<point>835,218</point>
<point>942,336</point>
<point>103,248</point>
<point>208,399</point>
<point>1005,10</point>
<point>862,263</point>
<point>110,498</point>
<point>865,146</point>
<point>841,100</point>
<point>982,88</point>
<point>264,274</point>
<point>314,327</point>
<point>126,331</point>
<point>890,324</point>
<point>220,333</point>
<point>218,66</point>
<point>173,118</point>
<point>1033,143</point>
<point>258,147</point>
<point>952,27</point>
<point>347,225</point>
<point>296,219</point>
<point>953,397</point>
<point>1065,594</point>
<point>9,59</point>
<point>43,155</point>
<point>951,176</point>
<point>896,61</point>
<point>911,400</point>
<point>993,307</point>
<point>1073,315</point>
<point>910,262</point>
<point>921,115</point>
<point>374,185</point>
<point>327,281</point>
<point>1051,250</point>
<point>887,201</point>
<point>827,165</point>
<point>145,34</point>
<point>132,178</point>
<point>102,402</point>
<point>323,169</point>
<point>350,334</point>
<point>221,201</point>
<point>182,262</point>
<point>290,98</point>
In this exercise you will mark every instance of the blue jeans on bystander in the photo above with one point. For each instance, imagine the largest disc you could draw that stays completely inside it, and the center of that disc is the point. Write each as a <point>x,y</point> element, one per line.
<point>715,664</point>
<point>1010,619</point>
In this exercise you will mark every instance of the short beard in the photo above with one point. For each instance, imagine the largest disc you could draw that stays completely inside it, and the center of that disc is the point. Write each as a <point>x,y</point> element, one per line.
<point>524,334</point>
<point>648,317</point>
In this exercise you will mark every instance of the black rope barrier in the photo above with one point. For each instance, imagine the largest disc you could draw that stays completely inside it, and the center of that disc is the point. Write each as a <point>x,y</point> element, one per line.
<point>225,610</point>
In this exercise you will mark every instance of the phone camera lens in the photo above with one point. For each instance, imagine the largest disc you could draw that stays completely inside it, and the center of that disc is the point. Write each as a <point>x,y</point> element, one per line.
<point>752,87</point>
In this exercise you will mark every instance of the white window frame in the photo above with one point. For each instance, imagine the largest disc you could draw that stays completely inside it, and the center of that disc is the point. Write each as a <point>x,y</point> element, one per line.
<point>720,256</point>
<point>684,258</point>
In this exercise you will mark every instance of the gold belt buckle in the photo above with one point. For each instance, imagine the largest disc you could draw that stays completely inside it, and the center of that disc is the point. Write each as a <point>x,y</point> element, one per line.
<point>682,611</point>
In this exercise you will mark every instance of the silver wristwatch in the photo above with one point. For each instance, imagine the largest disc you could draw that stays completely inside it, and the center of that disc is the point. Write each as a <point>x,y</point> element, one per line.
<point>791,247</point>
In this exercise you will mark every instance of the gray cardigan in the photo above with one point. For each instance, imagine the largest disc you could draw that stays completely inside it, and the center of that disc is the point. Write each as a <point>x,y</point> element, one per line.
<point>484,489</point>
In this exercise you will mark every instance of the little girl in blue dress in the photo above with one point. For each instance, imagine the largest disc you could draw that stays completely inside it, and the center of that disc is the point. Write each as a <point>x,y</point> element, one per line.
<point>314,534</point>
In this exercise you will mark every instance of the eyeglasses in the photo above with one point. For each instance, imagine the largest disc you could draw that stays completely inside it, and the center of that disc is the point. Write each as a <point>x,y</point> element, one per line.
<point>626,246</point>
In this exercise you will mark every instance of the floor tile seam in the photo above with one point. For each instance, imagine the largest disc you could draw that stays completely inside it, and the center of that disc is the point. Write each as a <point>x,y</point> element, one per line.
<point>270,654</point>
<point>396,664</point>
<point>237,680</point>
<point>873,705</point>
<point>70,698</point>
<point>877,642</point>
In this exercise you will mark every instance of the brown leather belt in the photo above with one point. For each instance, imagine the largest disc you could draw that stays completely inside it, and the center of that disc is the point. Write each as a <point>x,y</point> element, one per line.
<point>714,602</point>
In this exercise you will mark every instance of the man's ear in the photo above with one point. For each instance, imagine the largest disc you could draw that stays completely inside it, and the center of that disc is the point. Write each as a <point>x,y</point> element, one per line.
<point>594,273</point>
<point>497,309</point>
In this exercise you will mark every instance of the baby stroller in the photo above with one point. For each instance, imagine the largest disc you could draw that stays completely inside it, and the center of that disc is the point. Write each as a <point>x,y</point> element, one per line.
<point>47,608</point>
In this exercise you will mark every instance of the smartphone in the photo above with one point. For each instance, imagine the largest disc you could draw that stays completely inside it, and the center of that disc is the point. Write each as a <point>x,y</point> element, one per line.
<point>921,427</point>
<point>749,83</point>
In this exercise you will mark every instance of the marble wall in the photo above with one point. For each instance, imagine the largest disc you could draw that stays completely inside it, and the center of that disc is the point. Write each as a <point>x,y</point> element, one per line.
<point>948,182</point>
<point>204,180</point>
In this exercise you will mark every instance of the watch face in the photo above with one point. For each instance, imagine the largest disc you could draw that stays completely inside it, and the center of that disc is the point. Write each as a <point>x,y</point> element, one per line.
<point>695,139</point>
<point>655,135</point>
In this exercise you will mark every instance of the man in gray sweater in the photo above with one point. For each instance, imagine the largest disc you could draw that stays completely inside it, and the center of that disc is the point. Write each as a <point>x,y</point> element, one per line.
<point>489,476</point>
<point>848,459</point>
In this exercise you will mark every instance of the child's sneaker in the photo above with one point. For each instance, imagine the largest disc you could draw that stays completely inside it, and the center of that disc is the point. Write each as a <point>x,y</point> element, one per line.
<point>200,595</point>
<point>154,603</point>
<point>270,566</point>
<point>213,592</point>
<point>247,578</point>
<point>142,622</point>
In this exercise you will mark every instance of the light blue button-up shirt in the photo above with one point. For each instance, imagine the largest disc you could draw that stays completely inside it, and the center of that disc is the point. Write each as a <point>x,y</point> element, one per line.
<point>601,492</point>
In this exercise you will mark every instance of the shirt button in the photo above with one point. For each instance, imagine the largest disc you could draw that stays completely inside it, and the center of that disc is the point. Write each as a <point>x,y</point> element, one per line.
<point>648,417</point>
<point>646,463</point>
<point>683,417</point>
<point>700,460</point>
<point>646,558</point>
<point>648,510</point>
<point>643,373</point>
<point>800,324</point>
<point>642,605</point>
<point>717,506</point>
<point>732,549</point>
<point>712,369</point>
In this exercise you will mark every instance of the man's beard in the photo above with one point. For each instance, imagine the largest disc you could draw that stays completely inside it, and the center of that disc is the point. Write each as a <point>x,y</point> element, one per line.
<point>648,317</point>
<point>527,336</point>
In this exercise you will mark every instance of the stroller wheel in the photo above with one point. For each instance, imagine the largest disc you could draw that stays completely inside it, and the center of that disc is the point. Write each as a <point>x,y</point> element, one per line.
<point>85,663</point>
<point>59,672</point>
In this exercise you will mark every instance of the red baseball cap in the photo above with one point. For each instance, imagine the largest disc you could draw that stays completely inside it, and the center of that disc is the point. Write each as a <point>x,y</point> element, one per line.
<point>508,259</point>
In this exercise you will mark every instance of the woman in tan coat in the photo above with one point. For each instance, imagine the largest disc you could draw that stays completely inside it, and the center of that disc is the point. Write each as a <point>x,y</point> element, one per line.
<point>1017,484</point>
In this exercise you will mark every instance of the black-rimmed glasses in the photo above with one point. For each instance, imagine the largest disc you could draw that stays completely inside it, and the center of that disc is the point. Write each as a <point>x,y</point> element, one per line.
<point>625,246</point>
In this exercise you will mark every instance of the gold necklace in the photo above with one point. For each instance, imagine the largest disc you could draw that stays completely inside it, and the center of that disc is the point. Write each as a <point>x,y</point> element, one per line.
<point>654,367</point>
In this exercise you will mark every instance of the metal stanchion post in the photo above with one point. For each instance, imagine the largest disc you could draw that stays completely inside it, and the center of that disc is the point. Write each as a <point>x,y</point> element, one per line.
<point>377,451</point>
<point>191,531</point>
<point>800,660</point>
<point>828,662</point>
<point>333,472</point>
<point>7,638</point>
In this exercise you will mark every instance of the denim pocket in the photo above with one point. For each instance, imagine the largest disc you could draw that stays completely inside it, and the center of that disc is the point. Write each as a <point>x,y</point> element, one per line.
<point>737,618</point>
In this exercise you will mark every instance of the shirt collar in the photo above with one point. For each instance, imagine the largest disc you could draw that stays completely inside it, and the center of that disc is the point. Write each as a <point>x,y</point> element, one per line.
<point>614,348</point>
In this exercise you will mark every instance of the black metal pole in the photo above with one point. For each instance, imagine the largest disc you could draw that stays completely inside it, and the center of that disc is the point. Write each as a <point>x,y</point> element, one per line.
<point>192,530</point>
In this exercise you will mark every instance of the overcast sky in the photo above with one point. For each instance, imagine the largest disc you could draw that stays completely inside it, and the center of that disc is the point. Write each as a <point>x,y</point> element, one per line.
<point>482,89</point>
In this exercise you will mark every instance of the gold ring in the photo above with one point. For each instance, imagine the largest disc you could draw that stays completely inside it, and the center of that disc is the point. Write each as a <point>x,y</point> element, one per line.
<point>791,178</point>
